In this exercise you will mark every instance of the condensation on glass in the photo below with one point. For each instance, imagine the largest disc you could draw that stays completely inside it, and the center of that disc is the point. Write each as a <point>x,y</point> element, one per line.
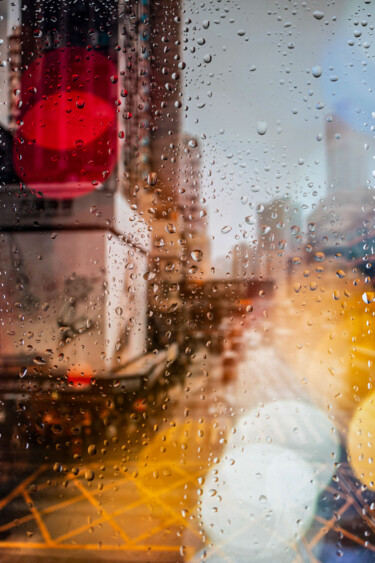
<point>187,281</point>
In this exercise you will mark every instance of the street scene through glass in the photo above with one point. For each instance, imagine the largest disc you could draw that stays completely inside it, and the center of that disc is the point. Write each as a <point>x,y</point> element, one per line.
<point>187,281</point>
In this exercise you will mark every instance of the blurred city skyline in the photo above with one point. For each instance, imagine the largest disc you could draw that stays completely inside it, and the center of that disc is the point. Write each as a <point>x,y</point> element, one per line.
<point>290,69</point>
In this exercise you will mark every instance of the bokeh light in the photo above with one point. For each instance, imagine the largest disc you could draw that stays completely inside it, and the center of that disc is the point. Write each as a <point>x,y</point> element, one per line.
<point>361,444</point>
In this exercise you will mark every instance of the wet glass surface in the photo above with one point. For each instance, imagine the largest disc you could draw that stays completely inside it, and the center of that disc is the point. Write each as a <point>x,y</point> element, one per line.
<point>186,274</point>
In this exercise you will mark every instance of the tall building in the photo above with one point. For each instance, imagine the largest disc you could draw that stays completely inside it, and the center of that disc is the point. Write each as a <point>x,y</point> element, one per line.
<point>222,267</point>
<point>348,198</point>
<point>152,106</point>
<point>152,109</point>
<point>347,158</point>
<point>279,236</point>
<point>244,261</point>
<point>14,89</point>
<point>192,211</point>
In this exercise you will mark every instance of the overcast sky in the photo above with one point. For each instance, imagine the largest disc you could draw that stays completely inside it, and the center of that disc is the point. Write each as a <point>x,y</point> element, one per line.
<point>260,76</point>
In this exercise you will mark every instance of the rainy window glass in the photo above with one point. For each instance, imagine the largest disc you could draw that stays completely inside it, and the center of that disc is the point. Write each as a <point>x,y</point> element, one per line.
<point>187,272</point>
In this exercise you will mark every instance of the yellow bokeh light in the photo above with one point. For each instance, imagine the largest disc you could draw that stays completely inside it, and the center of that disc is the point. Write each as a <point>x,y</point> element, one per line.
<point>361,441</point>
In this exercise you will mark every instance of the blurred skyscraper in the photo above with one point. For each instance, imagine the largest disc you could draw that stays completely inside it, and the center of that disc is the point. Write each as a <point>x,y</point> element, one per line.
<point>193,211</point>
<point>279,234</point>
<point>349,198</point>
<point>347,158</point>
<point>244,261</point>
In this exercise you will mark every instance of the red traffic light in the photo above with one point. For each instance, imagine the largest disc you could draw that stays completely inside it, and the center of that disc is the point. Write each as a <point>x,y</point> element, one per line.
<point>66,143</point>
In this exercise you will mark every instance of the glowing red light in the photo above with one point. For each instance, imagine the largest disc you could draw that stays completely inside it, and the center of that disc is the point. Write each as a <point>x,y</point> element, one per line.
<point>84,121</point>
<point>80,377</point>
<point>66,143</point>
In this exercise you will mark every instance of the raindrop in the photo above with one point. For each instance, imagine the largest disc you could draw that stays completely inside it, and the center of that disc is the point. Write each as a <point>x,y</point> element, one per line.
<point>89,475</point>
<point>318,15</point>
<point>152,178</point>
<point>226,229</point>
<point>319,256</point>
<point>316,71</point>
<point>197,255</point>
<point>207,58</point>
<point>91,449</point>
<point>170,228</point>
<point>295,230</point>
<point>119,311</point>
<point>368,297</point>
<point>261,127</point>
<point>39,361</point>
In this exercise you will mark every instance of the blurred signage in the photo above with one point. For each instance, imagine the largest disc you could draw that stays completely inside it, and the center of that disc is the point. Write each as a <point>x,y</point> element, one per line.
<point>66,143</point>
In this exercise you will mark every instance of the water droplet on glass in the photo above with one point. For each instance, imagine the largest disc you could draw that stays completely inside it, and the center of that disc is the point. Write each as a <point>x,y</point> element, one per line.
<point>318,15</point>
<point>226,229</point>
<point>197,255</point>
<point>261,127</point>
<point>264,229</point>
<point>170,228</point>
<point>316,71</point>
<point>39,361</point>
<point>89,475</point>
<point>368,297</point>
<point>319,256</point>
<point>152,178</point>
